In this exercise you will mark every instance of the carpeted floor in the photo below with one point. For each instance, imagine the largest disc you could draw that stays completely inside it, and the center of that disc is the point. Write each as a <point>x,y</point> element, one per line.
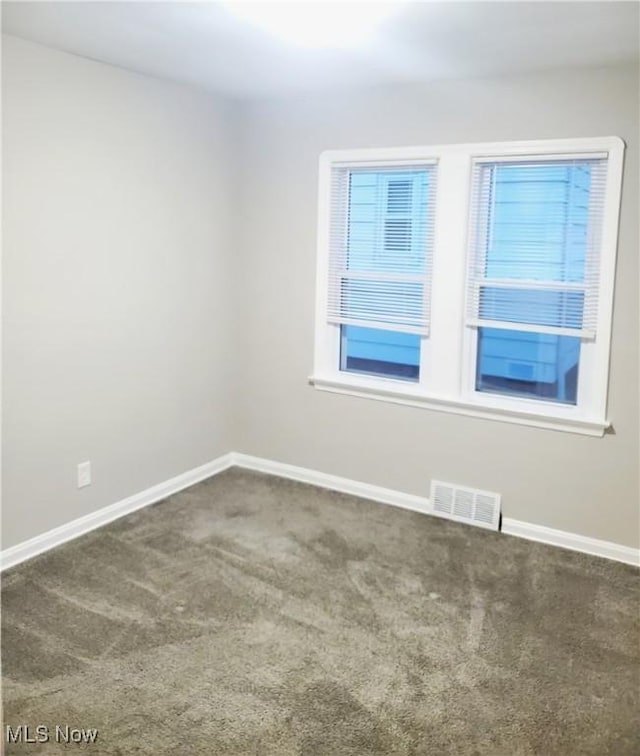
<point>252,615</point>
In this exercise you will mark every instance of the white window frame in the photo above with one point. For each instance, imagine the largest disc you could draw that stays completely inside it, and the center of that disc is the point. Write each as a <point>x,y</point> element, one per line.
<point>448,354</point>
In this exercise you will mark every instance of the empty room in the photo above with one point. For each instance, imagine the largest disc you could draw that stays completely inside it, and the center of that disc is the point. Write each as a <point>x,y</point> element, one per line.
<point>320,378</point>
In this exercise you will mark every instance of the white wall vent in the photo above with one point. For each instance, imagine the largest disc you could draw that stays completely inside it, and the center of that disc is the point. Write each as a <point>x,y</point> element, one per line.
<point>470,505</point>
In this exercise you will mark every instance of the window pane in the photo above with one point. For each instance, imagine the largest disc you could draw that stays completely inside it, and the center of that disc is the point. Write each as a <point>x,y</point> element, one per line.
<point>538,218</point>
<point>376,352</point>
<point>384,278</point>
<point>529,365</point>
<point>535,232</point>
<point>387,223</point>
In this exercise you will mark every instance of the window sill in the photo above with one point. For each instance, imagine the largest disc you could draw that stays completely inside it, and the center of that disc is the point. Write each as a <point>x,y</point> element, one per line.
<point>398,393</point>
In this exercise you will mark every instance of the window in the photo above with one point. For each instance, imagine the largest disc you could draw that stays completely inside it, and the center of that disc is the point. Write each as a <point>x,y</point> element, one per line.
<point>535,243</point>
<point>379,267</point>
<point>476,279</point>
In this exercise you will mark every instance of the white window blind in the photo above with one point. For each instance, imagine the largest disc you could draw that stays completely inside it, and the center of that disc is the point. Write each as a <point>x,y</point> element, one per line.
<point>380,247</point>
<point>535,238</point>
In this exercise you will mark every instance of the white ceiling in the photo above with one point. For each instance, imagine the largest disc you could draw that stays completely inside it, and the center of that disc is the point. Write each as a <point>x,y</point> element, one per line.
<point>200,43</point>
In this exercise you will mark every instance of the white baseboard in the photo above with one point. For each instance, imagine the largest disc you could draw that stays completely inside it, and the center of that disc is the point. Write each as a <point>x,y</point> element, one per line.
<point>28,549</point>
<point>527,530</point>
<point>584,544</point>
<point>334,483</point>
<point>23,551</point>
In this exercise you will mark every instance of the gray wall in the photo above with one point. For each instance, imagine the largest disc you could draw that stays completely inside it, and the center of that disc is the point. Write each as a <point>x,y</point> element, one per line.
<point>575,483</point>
<point>118,212</point>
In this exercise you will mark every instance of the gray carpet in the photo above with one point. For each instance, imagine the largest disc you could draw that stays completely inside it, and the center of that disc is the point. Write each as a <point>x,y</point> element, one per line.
<point>251,615</point>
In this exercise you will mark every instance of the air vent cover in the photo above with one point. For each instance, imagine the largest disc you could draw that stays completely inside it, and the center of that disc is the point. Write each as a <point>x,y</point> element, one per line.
<point>470,505</point>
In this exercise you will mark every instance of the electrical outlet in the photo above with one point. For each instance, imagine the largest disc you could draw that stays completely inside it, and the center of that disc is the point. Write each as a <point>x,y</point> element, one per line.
<point>84,474</point>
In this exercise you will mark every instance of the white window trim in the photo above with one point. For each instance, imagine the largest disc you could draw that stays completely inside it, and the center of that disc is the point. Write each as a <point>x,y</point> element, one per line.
<point>447,367</point>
